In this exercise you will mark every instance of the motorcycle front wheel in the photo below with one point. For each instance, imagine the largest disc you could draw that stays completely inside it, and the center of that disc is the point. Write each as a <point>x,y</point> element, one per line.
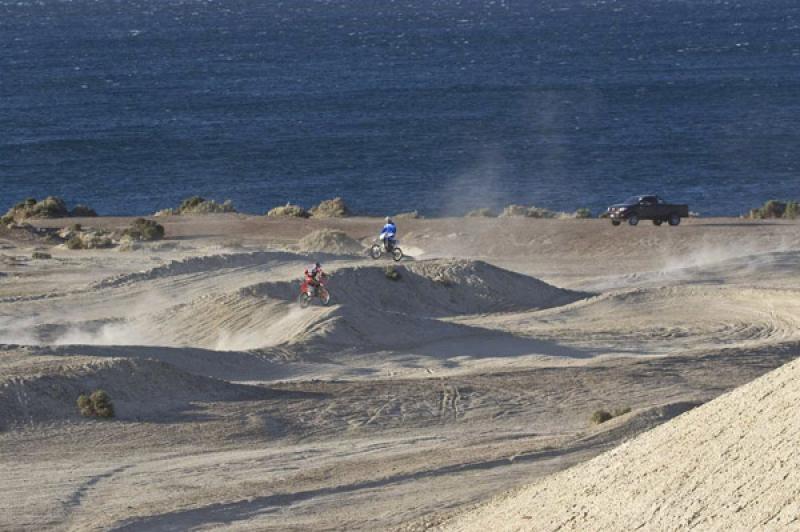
<point>397,254</point>
<point>375,251</point>
<point>304,299</point>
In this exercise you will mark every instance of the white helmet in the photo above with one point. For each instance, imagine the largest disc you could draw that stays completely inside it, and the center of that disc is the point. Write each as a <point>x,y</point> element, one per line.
<point>388,220</point>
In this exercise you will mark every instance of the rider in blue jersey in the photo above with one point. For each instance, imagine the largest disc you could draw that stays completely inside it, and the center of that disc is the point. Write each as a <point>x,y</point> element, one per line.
<point>388,234</point>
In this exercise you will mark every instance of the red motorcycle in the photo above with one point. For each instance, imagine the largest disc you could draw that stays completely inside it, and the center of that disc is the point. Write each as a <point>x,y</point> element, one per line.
<point>308,292</point>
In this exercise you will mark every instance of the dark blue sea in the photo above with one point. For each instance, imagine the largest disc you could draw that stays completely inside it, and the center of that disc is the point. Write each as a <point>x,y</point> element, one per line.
<point>442,106</point>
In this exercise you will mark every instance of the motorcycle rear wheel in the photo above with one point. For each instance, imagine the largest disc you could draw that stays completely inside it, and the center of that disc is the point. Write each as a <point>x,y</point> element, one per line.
<point>324,296</point>
<point>304,299</point>
<point>375,251</point>
<point>397,254</point>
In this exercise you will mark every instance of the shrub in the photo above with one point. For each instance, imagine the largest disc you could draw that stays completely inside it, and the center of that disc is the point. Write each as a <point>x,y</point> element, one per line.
<point>582,213</point>
<point>539,212</point>
<point>190,203</point>
<point>288,210</point>
<point>85,405</point>
<point>481,213</point>
<point>771,209</point>
<point>332,208</point>
<point>143,229</point>
<point>621,411</point>
<point>98,404</point>
<point>199,205</point>
<point>791,211</point>
<point>514,210</point>
<point>392,274</point>
<point>41,255</point>
<point>75,242</point>
<point>50,207</point>
<point>600,416</point>
<point>83,211</point>
<point>411,215</point>
<point>530,212</point>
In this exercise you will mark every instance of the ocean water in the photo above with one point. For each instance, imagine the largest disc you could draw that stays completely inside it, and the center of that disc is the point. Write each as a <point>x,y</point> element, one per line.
<point>441,106</point>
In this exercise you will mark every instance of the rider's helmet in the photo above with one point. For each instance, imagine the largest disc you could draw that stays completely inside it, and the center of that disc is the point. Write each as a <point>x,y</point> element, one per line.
<point>317,265</point>
<point>388,220</point>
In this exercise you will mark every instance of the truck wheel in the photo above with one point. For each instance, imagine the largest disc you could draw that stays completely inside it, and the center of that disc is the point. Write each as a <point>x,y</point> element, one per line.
<point>633,220</point>
<point>615,222</point>
<point>658,222</point>
<point>674,219</point>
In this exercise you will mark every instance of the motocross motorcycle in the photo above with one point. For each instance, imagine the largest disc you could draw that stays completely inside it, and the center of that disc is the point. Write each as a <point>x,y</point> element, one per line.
<point>308,292</point>
<point>379,248</point>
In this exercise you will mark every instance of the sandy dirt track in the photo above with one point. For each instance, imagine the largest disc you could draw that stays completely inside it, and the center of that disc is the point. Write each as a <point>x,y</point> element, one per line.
<point>404,403</point>
<point>729,465</point>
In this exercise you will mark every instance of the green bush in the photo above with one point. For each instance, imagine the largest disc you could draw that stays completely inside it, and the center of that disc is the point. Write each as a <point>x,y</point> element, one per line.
<point>771,209</point>
<point>332,208</point>
<point>288,210</point>
<point>98,404</point>
<point>83,211</point>
<point>583,212</point>
<point>191,203</point>
<point>199,205</point>
<point>85,405</point>
<point>600,416</point>
<point>392,274</point>
<point>621,411</point>
<point>75,243</point>
<point>529,212</point>
<point>792,210</point>
<point>143,229</point>
<point>50,207</point>
<point>481,213</point>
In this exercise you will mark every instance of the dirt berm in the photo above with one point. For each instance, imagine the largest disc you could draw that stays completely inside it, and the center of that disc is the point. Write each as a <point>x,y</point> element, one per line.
<point>367,308</point>
<point>139,389</point>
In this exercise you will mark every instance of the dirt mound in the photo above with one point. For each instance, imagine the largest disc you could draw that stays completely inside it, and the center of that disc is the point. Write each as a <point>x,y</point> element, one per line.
<point>730,464</point>
<point>434,288</point>
<point>330,241</point>
<point>368,308</point>
<point>138,389</point>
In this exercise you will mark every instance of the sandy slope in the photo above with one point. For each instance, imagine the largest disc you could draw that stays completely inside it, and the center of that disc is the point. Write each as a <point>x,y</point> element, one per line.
<point>732,464</point>
<point>399,405</point>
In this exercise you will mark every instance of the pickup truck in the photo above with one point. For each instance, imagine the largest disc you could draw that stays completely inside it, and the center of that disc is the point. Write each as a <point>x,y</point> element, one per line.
<point>647,208</point>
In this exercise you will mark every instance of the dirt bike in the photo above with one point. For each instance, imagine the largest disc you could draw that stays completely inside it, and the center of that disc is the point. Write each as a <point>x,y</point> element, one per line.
<point>308,292</point>
<point>379,248</point>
